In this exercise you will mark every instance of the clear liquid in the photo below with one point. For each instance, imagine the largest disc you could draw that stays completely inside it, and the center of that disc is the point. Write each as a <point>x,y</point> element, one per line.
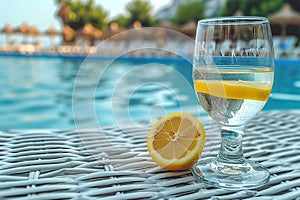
<point>234,109</point>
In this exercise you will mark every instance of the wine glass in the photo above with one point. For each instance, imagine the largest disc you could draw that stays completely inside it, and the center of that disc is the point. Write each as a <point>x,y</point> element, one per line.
<point>233,74</point>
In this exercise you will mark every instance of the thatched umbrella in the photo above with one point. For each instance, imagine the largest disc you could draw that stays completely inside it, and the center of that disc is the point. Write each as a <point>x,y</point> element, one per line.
<point>69,35</point>
<point>7,29</point>
<point>285,16</point>
<point>90,33</point>
<point>189,28</point>
<point>114,28</point>
<point>51,32</point>
<point>24,30</point>
<point>137,24</point>
<point>34,32</point>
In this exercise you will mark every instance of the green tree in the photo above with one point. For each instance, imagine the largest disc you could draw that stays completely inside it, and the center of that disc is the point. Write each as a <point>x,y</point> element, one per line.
<point>252,7</point>
<point>84,12</point>
<point>139,10</point>
<point>192,10</point>
<point>260,7</point>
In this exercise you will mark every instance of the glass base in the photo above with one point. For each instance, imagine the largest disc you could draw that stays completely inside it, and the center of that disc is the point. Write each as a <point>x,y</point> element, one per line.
<point>231,176</point>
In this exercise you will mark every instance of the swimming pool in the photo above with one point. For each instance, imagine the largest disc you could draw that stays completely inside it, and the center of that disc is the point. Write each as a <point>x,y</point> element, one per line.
<point>40,92</point>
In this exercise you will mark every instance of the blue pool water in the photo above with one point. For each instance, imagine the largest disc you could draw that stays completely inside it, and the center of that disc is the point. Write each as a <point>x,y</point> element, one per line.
<point>60,92</point>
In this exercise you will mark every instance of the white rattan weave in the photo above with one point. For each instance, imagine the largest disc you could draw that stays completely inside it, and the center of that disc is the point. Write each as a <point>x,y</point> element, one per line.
<point>56,165</point>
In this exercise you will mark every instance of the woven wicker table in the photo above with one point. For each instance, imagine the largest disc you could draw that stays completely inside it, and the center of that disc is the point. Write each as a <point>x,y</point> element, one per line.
<point>51,164</point>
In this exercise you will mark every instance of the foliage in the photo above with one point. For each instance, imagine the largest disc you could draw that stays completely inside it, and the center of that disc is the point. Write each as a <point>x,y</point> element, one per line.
<point>251,7</point>
<point>261,7</point>
<point>139,10</point>
<point>84,12</point>
<point>191,10</point>
<point>256,7</point>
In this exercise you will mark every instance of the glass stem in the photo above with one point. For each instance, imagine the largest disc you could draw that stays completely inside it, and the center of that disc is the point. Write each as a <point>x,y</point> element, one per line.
<point>231,150</point>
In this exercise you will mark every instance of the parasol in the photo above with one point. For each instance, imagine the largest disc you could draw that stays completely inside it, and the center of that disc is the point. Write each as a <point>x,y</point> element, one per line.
<point>189,28</point>
<point>114,28</point>
<point>285,16</point>
<point>90,33</point>
<point>7,29</point>
<point>24,30</point>
<point>34,32</point>
<point>51,32</point>
<point>69,35</point>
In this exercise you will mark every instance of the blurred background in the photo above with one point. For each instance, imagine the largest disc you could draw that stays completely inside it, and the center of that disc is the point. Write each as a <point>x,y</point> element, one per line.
<point>46,26</point>
<point>43,44</point>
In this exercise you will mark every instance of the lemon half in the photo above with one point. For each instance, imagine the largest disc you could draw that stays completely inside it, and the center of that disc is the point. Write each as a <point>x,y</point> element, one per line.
<point>176,141</point>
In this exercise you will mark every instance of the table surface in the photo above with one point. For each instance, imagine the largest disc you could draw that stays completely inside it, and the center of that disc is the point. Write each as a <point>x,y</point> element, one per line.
<point>113,163</point>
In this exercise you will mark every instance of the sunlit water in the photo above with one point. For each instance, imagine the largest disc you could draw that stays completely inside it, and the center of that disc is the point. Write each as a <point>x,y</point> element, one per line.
<point>37,92</point>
